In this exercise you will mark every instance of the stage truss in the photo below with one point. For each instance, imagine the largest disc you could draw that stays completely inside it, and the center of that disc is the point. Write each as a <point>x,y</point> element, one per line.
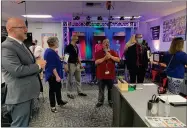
<point>96,24</point>
<point>132,24</point>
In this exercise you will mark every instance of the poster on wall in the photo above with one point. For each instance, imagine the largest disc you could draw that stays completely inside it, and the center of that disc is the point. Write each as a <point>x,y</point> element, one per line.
<point>3,31</point>
<point>155,32</point>
<point>99,33</point>
<point>119,34</point>
<point>174,28</point>
<point>44,38</point>
<point>78,33</point>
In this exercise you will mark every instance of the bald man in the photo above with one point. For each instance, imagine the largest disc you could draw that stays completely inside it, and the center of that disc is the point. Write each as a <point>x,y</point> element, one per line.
<point>21,73</point>
<point>73,67</point>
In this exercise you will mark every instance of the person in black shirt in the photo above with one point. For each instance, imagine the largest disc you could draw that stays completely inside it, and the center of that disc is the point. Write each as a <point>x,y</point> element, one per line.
<point>136,58</point>
<point>73,67</point>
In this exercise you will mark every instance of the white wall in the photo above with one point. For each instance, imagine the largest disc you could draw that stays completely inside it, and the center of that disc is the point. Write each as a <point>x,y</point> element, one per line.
<point>38,28</point>
<point>3,23</point>
<point>159,45</point>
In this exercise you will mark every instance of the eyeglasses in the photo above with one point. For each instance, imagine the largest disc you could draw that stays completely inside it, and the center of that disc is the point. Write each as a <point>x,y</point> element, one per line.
<point>23,27</point>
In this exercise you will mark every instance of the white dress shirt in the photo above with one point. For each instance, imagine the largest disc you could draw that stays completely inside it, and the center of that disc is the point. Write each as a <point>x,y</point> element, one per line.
<point>20,42</point>
<point>37,51</point>
<point>2,78</point>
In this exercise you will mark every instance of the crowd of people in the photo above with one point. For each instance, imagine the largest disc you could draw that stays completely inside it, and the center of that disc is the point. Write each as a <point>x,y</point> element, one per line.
<point>22,69</point>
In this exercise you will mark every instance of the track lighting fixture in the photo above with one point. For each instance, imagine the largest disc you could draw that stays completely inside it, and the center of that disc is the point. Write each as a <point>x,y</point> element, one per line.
<point>99,18</point>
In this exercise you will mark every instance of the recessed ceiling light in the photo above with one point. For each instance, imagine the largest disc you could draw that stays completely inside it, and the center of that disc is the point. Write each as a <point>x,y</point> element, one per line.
<point>128,17</point>
<point>37,16</point>
<point>137,17</point>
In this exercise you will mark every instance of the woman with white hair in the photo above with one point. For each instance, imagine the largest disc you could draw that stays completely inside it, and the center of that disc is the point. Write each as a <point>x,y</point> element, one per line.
<point>53,73</point>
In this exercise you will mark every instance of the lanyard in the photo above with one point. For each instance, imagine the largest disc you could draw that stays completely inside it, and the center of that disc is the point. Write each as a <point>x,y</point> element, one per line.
<point>75,48</point>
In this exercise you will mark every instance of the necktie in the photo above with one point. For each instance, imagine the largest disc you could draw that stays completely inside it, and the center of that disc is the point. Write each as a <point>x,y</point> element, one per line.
<point>23,45</point>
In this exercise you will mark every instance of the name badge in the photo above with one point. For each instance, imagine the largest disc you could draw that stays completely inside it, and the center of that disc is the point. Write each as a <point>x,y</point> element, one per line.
<point>107,72</point>
<point>66,57</point>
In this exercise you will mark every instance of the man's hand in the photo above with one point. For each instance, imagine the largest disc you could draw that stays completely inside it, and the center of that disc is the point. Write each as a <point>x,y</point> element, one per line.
<point>58,79</point>
<point>131,42</point>
<point>129,45</point>
<point>62,58</point>
<point>108,56</point>
<point>41,62</point>
<point>66,68</point>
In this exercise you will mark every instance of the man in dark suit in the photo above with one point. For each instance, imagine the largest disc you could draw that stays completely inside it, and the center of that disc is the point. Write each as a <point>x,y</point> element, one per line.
<point>137,60</point>
<point>21,73</point>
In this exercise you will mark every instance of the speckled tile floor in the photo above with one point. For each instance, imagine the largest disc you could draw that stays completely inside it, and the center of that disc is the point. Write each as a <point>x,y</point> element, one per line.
<point>79,112</point>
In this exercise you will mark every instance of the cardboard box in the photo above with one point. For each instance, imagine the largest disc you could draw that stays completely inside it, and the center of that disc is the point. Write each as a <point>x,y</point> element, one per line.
<point>123,85</point>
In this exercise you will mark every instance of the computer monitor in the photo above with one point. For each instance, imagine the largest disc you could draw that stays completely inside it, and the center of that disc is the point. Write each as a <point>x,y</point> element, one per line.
<point>156,57</point>
<point>28,41</point>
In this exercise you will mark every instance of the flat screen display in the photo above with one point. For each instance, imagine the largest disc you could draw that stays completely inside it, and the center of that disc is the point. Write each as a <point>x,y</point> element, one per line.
<point>156,57</point>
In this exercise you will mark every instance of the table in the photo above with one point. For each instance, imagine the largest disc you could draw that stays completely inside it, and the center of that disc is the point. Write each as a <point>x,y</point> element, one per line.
<point>130,108</point>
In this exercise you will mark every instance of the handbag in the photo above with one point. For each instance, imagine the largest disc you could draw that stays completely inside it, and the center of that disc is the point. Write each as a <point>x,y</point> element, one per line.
<point>169,64</point>
<point>161,89</point>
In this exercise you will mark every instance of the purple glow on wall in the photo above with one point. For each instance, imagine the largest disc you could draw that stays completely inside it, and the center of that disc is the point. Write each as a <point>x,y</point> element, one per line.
<point>158,45</point>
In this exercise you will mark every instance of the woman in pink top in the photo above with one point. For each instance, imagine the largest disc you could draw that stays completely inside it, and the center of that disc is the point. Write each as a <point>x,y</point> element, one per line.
<point>98,46</point>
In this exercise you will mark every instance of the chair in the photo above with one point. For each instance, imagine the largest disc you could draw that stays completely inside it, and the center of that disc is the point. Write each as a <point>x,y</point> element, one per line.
<point>154,74</point>
<point>85,77</point>
<point>165,80</point>
<point>148,71</point>
<point>160,75</point>
<point>120,68</point>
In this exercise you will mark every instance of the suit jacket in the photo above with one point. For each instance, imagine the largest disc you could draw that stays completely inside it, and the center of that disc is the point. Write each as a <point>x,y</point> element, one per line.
<point>131,57</point>
<point>20,73</point>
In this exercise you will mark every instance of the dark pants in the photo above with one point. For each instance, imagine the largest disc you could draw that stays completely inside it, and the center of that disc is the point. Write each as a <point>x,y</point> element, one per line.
<point>138,73</point>
<point>93,71</point>
<point>41,86</point>
<point>109,84</point>
<point>20,113</point>
<point>54,90</point>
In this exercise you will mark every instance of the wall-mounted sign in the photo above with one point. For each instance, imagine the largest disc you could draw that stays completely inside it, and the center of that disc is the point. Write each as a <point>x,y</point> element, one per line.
<point>119,34</point>
<point>78,33</point>
<point>44,37</point>
<point>155,32</point>
<point>175,27</point>
<point>3,31</point>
